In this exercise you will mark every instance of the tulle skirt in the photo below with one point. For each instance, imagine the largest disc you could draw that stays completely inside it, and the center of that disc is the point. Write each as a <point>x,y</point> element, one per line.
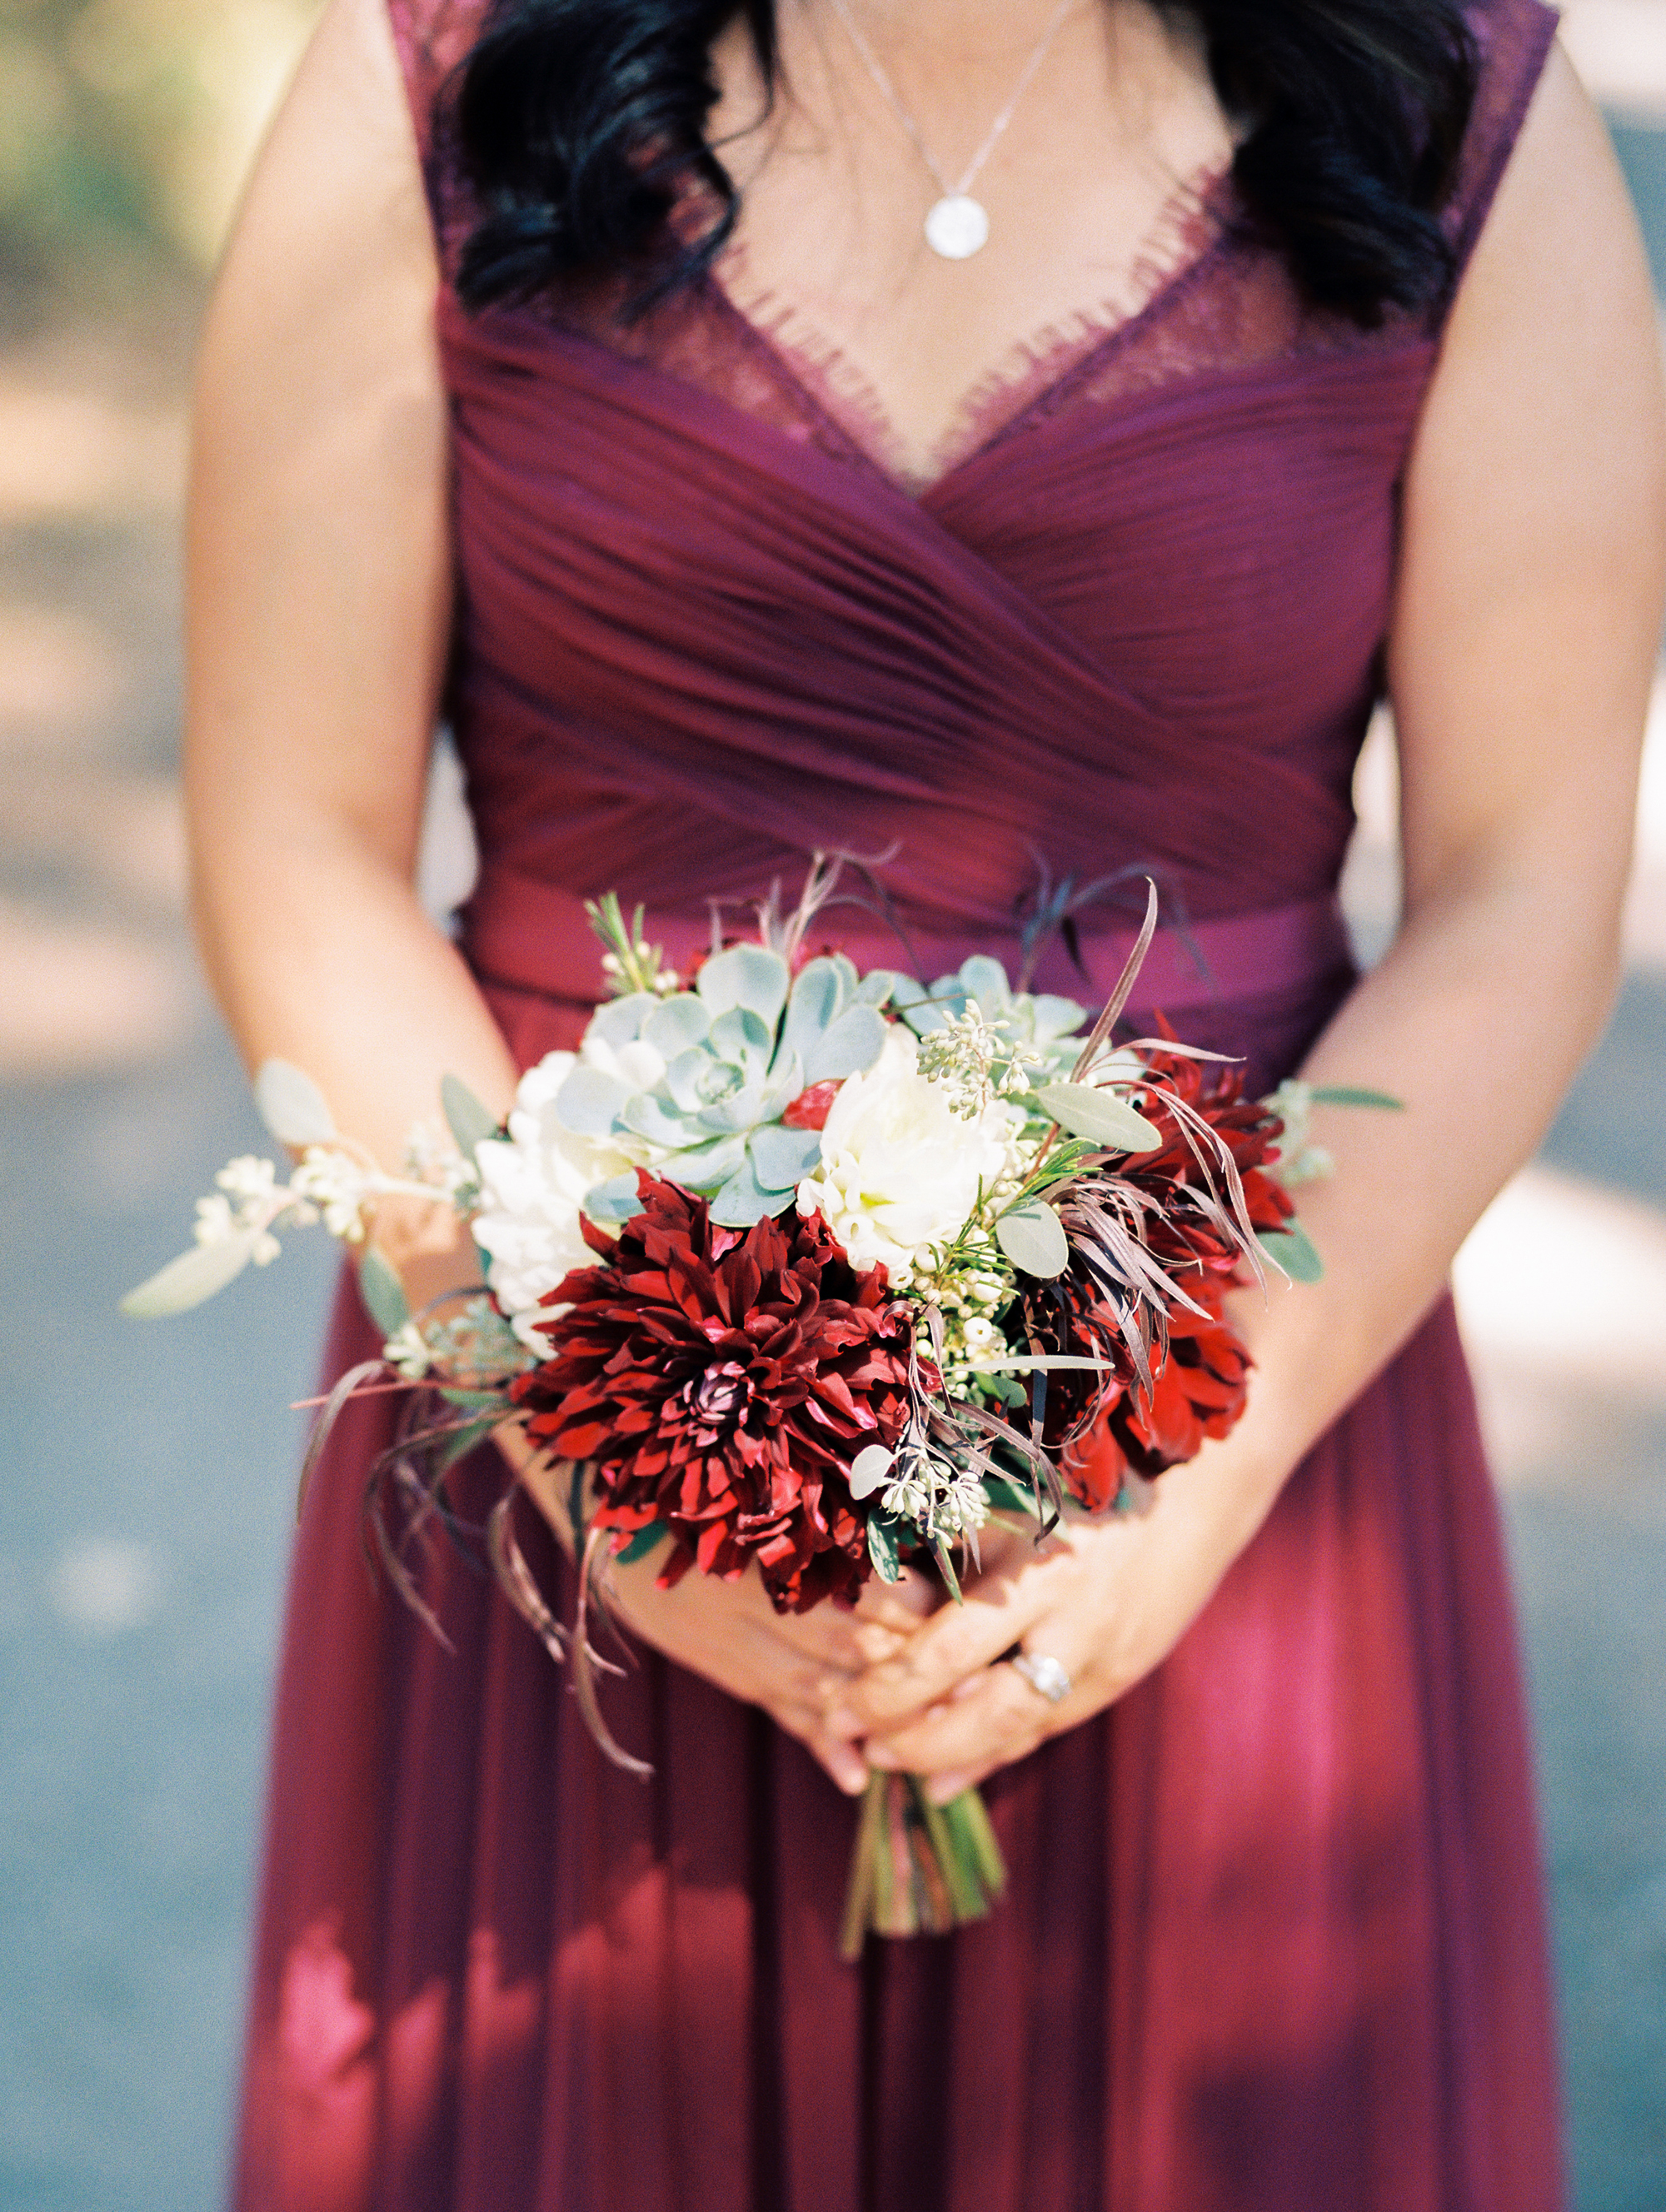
<point>1273,1942</point>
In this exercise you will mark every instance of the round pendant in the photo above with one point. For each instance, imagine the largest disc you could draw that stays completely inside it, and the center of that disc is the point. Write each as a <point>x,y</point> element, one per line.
<point>957,228</point>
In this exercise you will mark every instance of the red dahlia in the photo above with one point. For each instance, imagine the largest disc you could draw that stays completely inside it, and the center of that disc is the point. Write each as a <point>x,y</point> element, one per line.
<point>1199,1389</point>
<point>722,1381</point>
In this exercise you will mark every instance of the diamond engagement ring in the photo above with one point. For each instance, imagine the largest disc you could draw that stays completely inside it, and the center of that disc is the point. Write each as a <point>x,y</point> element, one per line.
<point>1043,1674</point>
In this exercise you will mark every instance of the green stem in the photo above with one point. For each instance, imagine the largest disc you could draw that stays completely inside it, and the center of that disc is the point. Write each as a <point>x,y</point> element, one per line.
<point>954,1842</point>
<point>869,1862</point>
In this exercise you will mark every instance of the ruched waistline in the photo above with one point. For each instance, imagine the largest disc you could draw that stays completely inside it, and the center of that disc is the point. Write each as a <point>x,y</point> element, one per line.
<point>532,936</point>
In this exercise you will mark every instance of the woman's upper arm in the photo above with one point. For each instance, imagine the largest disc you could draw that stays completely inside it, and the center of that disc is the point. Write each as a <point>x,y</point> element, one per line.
<point>320,584</point>
<point>1528,608</point>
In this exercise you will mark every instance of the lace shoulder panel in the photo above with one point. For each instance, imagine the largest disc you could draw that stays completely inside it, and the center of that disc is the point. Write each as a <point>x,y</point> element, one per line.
<point>1515,38</point>
<point>432,36</point>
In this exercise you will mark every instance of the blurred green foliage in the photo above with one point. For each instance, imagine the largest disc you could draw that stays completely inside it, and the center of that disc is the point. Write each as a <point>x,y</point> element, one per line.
<point>133,122</point>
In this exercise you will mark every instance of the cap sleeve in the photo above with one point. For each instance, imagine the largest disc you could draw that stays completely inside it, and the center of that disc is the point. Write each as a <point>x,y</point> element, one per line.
<point>1514,39</point>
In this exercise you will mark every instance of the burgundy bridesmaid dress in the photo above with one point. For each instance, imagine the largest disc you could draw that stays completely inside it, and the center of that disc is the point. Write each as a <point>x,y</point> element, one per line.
<point>1274,1940</point>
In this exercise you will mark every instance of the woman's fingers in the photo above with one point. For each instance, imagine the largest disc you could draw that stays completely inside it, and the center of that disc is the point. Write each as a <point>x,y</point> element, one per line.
<point>957,1641</point>
<point>902,1605</point>
<point>841,1761</point>
<point>996,1717</point>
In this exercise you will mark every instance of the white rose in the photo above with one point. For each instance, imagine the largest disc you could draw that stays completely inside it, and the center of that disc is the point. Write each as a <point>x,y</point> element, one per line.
<point>900,1171</point>
<point>532,1185</point>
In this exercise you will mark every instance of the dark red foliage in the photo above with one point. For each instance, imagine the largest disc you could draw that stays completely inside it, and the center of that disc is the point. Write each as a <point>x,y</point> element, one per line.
<point>1199,1392</point>
<point>1249,1134</point>
<point>722,1381</point>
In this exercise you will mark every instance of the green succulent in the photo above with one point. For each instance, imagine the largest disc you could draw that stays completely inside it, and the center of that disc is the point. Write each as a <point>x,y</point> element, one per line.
<point>1041,1022</point>
<point>730,1056</point>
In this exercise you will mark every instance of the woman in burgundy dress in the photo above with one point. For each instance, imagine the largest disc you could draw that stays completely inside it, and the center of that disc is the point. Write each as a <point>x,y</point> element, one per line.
<point>1251,362</point>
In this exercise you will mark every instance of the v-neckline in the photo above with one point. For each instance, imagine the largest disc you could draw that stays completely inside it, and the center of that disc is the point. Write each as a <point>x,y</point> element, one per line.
<point>824,379</point>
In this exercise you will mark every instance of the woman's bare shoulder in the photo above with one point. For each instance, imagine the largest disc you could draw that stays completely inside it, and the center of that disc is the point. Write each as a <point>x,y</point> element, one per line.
<point>336,201</point>
<point>1548,386</point>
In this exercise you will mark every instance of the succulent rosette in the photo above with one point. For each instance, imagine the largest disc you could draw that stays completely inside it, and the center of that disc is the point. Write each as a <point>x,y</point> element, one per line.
<point>724,1064</point>
<point>1042,1024</point>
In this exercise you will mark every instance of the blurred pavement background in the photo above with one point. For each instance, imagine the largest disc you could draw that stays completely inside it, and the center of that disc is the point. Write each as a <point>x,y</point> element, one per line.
<point>146,1479</point>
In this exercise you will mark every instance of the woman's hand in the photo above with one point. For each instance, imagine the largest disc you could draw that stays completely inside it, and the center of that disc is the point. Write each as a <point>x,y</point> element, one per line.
<point>1107,1599</point>
<point>796,1666</point>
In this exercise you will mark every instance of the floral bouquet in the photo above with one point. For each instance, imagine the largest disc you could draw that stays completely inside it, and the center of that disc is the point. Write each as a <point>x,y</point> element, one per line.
<point>792,1266</point>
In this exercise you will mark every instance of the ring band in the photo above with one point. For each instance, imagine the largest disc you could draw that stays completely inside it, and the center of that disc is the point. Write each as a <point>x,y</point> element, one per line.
<point>1044,1674</point>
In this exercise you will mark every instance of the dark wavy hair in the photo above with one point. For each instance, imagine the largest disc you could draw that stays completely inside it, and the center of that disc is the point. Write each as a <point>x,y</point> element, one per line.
<point>578,125</point>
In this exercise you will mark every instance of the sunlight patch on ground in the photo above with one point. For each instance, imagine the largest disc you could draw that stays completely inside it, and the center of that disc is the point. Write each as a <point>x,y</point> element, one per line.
<point>1561,1290</point>
<point>80,997</point>
<point>1618,48</point>
<point>69,453</point>
<point>105,1587</point>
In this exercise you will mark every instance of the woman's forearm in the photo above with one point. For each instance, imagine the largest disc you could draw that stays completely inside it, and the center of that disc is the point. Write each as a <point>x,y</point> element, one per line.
<point>1477,1019</point>
<point>321,954</point>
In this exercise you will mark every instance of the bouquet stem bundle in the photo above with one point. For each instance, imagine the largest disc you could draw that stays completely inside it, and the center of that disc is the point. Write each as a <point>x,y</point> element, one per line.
<point>919,1869</point>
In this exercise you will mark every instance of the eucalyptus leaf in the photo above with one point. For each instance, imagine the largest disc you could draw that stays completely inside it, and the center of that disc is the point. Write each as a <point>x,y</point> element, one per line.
<point>1032,1237</point>
<point>1007,1497</point>
<point>383,1294</point>
<point>871,1470</point>
<point>1343,1094</point>
<point>469,1122</point>
<point>1100,1116</point>
<point>1293,1250</point>
<point>193,1277</point>
<point>640,1544</point>
<point>882,1545</point>
<point>984,979</point>
<point>1056,1017</point>
<point>292,1106</point>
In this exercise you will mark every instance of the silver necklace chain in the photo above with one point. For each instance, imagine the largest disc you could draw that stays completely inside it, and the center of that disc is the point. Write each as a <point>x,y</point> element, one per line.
<point>954,194</point>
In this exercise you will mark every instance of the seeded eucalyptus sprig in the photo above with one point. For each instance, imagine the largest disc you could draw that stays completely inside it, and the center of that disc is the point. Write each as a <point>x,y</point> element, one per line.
<point>629,963</point>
